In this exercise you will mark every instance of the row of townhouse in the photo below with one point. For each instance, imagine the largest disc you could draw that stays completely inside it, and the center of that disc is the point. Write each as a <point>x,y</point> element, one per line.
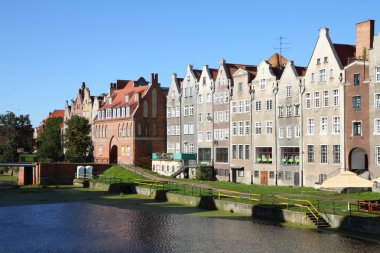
<point>280,124</point>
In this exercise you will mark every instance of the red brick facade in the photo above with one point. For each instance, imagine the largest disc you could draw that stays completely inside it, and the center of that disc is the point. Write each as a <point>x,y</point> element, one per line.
<point>131,124</point>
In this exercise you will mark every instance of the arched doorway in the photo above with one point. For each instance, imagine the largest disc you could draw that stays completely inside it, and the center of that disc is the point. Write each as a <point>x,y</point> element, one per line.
<point>113,155</point>
<point>358,160</point>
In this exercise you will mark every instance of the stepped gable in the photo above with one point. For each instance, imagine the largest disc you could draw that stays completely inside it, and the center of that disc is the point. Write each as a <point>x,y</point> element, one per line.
<point>345,52</point>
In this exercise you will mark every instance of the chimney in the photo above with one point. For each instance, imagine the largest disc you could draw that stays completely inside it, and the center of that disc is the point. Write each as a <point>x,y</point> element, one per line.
<point>112,88</point>
<point>364,37</point>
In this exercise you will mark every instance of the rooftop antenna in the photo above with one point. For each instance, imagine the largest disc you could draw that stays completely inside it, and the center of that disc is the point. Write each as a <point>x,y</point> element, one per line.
<point>282,48</point>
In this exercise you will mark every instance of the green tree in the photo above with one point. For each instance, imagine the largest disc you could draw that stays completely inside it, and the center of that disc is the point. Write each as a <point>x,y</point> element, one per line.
<point>78,143</point>
<point>49,142</point>
<point>15,132</point>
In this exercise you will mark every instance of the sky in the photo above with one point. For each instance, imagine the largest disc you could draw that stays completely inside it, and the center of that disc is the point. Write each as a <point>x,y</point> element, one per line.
<point>49,47</point>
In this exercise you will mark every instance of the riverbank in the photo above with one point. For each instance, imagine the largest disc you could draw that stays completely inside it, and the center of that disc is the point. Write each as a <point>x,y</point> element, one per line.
<point>137,202</point>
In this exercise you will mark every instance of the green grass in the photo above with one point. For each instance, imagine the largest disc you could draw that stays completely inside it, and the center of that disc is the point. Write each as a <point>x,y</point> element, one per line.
<point>7,179</point>
<point>121,173</point>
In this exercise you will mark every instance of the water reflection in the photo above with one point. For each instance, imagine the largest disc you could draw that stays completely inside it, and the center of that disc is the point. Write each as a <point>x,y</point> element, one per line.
<point>80,227</point>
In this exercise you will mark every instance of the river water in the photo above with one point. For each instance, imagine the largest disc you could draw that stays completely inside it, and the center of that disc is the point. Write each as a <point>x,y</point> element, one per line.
<point>82,227</point>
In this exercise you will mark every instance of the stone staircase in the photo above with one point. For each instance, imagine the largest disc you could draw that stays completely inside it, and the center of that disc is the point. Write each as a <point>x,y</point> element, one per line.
<point>318,220</point>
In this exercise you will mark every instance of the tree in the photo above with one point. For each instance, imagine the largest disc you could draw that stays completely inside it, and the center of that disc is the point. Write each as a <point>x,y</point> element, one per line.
<point>15,132</point>
<point>78,143</point>
<point>49,142</point>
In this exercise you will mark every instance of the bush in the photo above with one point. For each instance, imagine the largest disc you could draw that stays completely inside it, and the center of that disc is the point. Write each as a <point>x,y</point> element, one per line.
<point>203,173</point>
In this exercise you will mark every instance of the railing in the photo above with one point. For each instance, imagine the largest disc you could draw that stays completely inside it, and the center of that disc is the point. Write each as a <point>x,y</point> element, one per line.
<point>372,207</point>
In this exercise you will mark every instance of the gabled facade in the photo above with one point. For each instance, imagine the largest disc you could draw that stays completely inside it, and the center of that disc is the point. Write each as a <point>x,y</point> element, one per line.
<point>288,125</point>
<point>205,117</point>
<point>374,107</point>
<point>131,125</point>
<point>240,125</point>
<point>189,110</point>
<point>323,110</point>
<point>173,115</point>
<point>264,132</point>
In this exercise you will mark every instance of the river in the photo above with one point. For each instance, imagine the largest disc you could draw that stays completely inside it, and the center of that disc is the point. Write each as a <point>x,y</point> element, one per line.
<point>84,227</point>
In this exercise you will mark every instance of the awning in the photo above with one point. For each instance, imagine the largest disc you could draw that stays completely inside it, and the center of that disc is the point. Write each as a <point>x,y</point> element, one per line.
<point>347,179</point>
<point>237,167</point>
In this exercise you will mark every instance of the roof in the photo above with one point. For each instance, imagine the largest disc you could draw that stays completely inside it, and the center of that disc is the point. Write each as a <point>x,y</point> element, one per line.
<point>57,114</point>
<point>127,87</point>
<point>179,81</point>
<point>197,73</point>
<point>301,71</point>
<point>214,73</point>
<point>277,60</point>
<point>232,68</point>
<point>345,52</point>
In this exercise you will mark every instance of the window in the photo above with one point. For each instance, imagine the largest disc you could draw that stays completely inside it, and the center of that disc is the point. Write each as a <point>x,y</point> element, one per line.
<point>168,112</point>
<point>269,127</point>
<point>356,80</point>
<point>209,117</point>
<point>241,106</point>
<point>322,75</point>
<point>310,126</point>
<point>331,73</point>
<point>240,173</point>
<point>200,99</point>
<point>247,152</point>
<point>128,151</point>
<point>377,74</point>
<point>191,91</point>
<point>109,113</point>
<point>269,105</point>
<point>221,155</point>
<point>288,91</point>
<point>325,98</point>
<point>323,153</point>
<point>234,152</point>
<point>336,153</point>
<point>288,111</point>
<point>258,127</point>
<point>247,105</point>
<point>247,127</point>
<point>296,110</point>
<point>356,128</point>
<point>209,135</point>
<point>264,155</point>
<point>318,61</point>
<point>271,174</point>
<point>336,125</point>
<point>377,154</point>
<point>356,102</point>
<point>322,178</point>
<point>325,59</point>
<point>184,148</point>
<point>241,155</point>
<point>118,112</point>
<point>215,98</point>
<point>177,111</point>
<point>123,112</point>
<point>200,136</point>
<point>316,99</point>
<point>177,130</point>
<point>280,175</point>
<point>191,148</point>
<point>185,110</point>
<point>324,127</point>
<point>127,111</point>
<point>234,128</point>
<point>280,111</point>
<point>233,107</point>
<point>216,134</point>
<point>312,77</point>
<point>377,101</point>
<point>263,83</point>
<point>226,118</point>
<point>289,132</point>
<point>310,153</point>
<point>308,100</point>
<point>209,97</point>
<point>204,81</point>
<point>281,132</point>
<point>258,106</point>
<point>240,85</point>
<point>377,126</point>
<point>288,175</point>
<point>191,109</point>
<point>191,128</point>
<point>186,128</point>
<point>241,127</point>
<point>100,150</point>
<point>336,97</point>
<point>204,154</point>
<point>256,174</point>
<point>200,117</point>
<point>297,131</point>
<point>173,112</point>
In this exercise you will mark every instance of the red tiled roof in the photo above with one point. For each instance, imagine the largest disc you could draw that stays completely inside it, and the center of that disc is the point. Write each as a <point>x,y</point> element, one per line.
<point>301,71</point>
<point>57,114</point>
<point>232,68</point>
<point>277,60</point>
<point>118,95</point>
<point>345,52</point>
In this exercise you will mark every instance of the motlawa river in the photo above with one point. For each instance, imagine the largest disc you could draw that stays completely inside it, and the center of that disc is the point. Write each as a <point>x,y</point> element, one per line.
<point>83,227</point>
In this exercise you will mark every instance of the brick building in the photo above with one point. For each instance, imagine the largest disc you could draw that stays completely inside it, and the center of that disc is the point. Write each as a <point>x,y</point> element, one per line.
<point>131,124</point>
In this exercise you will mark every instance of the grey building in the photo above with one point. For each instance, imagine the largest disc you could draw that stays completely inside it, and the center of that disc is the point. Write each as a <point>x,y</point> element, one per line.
<point>173,115</point>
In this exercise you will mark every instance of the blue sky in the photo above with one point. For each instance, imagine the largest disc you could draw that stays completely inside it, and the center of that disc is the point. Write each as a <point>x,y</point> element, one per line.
<point>47,48</point>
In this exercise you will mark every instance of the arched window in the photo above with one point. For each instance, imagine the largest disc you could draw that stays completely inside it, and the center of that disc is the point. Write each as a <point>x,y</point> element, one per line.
<point>146,109</point>
<point>127,130</point>
<point>154,103</point>
<point>122,131</point>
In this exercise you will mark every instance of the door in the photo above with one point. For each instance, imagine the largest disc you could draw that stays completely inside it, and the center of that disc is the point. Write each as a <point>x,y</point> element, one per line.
<point>264,177</point>
<point>233,176</point>
<point>296,179</point>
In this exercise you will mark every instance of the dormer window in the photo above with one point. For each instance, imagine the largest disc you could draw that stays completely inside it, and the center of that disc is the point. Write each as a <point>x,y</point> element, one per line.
<point>127,98</point>
<point>110,101</point>
<point>136,97</point>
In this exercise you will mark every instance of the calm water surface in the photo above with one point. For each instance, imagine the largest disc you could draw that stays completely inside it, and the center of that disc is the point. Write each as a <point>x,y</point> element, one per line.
<point>80,227</point>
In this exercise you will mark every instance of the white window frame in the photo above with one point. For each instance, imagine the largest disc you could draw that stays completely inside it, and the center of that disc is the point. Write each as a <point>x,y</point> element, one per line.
<point>376,101</point>
<point>323,126</point>
<point>297,131</point>
<point>310,126</point>
<point>336,125</point>
<point>377,155</point>
<point>377,74</point>
<point>288,91</point>
<point>269,127</point>
<point>262,84</point>
<point>321,75</point>
<point>335,93</point>
<point>376,126</point>
<point>281,132</point>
